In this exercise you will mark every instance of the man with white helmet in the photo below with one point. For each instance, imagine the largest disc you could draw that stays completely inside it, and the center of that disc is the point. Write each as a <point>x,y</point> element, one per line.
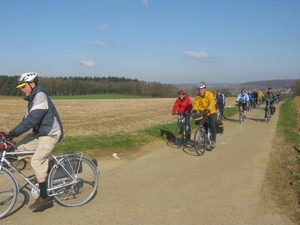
<point>41,116</point>
<point>205,103</point>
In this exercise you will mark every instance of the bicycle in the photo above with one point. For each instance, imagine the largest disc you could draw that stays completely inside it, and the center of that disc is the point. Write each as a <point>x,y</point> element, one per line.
<point>220,116</point>
<point>241,112</point>
<point>72,180</point>
<point>180,132</point>
<point>202,136</point>
<point>249,105</point>
<point>268,112</point>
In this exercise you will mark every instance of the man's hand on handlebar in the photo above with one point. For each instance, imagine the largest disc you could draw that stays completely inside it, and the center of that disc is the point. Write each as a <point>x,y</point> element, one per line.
<point>10,135</point>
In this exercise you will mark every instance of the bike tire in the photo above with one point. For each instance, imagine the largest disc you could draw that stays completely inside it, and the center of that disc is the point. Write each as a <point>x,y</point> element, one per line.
<point>241,117</point>
<point>268,116</point>
<point>8,192</point>
<point>200,141</point>
<point>69,193</point>
<point>179,136</point>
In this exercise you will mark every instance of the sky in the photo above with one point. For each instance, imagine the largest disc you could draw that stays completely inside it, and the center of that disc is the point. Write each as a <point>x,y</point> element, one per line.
<point>166,41</point>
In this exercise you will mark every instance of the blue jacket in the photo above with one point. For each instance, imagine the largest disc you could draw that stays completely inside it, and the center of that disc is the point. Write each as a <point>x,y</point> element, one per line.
<point>220,99</point>
<point>41,116</point>
<point>244,98</point>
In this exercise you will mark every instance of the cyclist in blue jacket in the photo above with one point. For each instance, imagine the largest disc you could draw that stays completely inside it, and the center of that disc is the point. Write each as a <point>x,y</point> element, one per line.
<point>220,102</point>
<point>243,99</point>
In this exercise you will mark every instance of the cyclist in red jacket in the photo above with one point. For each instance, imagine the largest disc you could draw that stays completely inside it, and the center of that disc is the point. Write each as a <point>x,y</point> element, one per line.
<point>183,106</point>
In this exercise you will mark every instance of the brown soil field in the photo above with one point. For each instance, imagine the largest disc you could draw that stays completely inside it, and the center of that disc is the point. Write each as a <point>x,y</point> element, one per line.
<point>98,117</point>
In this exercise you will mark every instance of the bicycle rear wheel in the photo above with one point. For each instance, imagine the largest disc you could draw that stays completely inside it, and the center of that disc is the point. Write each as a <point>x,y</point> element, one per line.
<point>179,136</point>
<point>8,192</point>
<point>75,187</point>
<point>200,141</point>
<point>241,117</point>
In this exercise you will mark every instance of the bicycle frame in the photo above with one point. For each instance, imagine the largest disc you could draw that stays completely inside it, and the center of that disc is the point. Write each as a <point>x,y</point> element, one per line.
<point>202,137</point>
<point>268,111</point>
<point>180,133</point>
<point>14,168</point>
<point>241,114</point>
<point>57,159</point>
<point>72,180</point>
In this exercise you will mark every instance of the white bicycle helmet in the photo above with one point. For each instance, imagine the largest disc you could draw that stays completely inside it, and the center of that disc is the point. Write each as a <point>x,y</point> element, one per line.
<point>201,86</point>
<point>27,78</point>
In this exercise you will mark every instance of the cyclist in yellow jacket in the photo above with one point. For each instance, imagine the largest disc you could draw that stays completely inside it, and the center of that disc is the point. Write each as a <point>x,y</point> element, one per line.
<point>205,103</point>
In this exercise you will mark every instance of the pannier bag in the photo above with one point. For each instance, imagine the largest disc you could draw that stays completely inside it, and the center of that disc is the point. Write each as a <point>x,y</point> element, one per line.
<point>273,109</point>
<point>219,127</point>
<point>199,118</point>
<point>71,163</point>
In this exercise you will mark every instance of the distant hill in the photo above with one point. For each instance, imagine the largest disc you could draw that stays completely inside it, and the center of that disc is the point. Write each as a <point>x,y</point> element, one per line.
<point>275,84</point>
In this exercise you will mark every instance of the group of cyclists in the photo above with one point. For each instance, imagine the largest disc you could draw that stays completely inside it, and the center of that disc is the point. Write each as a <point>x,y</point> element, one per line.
<point>208,103</point>
<point>246,100</point>
<point>204,103</point>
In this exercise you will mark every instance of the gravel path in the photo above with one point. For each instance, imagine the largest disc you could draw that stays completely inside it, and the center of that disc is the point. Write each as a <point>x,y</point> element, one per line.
<point>174,186</point>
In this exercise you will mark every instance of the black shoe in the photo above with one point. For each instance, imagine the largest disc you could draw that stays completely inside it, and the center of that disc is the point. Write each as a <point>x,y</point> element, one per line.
<point>40,202</point>
<point>188,137</point>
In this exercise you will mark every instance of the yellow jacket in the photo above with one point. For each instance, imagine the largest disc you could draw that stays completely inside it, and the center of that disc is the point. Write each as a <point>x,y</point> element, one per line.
<point>205,102</point>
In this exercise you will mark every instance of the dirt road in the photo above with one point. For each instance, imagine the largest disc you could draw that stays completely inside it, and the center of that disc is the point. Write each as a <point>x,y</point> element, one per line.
<point>174,186</point>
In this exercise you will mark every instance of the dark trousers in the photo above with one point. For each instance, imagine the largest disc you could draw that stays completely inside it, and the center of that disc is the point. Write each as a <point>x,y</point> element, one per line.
<point>212,124</point>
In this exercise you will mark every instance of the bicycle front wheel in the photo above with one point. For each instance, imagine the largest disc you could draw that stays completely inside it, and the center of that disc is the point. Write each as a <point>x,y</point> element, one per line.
<point>200,141</point>
<point>240,117</point>
<point>179,136</point>
<point>75,187</point>
<point>268,115</point>
<point>8,192</point>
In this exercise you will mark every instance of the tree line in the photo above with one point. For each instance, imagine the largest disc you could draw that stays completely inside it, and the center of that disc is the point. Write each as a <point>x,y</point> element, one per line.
<point>70,86</point>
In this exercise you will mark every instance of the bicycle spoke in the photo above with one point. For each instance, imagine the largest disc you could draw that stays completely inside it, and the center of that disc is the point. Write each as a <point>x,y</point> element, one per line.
<point>70,189</point>
<point>8,192</point>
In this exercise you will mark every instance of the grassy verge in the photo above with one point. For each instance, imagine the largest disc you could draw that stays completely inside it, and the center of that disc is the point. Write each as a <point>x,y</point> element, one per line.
<point>282,177</point>
<point>287,127</point>
<point>98,146</point>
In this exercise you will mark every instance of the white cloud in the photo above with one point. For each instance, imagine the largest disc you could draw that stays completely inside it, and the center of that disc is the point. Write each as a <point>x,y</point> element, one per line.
<point>99,43</point>
<point>145,2</point>
<point>87,62</point>
<point>199,55</point>
<point>103,26</point>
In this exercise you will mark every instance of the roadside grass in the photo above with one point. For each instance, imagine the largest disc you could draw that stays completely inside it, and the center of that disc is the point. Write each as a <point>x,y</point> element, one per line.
<point>288,123</point>
<point>105,145</point>
<point>282,177</point>
<point>287,127</point>
<point>228,112</point>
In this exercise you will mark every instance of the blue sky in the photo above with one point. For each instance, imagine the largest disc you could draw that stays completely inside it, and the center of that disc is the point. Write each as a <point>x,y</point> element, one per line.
<point>168,41</point>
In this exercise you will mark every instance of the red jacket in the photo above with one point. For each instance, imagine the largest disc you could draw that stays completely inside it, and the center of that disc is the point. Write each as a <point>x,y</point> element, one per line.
<point>182,106</point>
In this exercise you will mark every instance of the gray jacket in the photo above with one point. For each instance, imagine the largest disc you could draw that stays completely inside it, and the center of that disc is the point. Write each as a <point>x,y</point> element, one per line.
<point>269,96</point>
<point>41,116</point>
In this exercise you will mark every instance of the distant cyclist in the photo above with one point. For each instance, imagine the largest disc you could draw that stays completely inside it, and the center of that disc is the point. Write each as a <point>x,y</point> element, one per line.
<point>205,103</point>
<point>243,99</point>
<point>220,102</point>
<point>277,96</point>
<point>183,106</point>
<point>255,97</point>
<point>269,96</point>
